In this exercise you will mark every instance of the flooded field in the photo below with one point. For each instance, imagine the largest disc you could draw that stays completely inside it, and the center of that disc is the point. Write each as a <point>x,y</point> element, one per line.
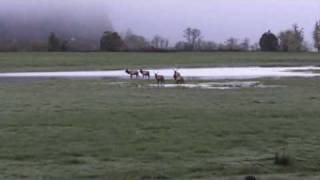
<point>220,85</point>
<point>188,73</point>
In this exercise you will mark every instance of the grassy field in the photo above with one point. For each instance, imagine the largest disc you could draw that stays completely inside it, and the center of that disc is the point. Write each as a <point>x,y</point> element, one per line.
<point>96,129</point>
<point>105,61</point>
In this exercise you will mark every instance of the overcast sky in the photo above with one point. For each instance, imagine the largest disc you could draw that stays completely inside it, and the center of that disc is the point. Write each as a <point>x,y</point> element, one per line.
<point>218,19</point>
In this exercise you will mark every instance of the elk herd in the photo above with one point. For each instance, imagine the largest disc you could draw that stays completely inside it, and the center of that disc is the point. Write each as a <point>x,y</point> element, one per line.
<point>160,79</point>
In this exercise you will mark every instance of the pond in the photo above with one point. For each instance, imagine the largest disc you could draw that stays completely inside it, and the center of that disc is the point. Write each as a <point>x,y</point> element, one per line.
<point>218,73</point>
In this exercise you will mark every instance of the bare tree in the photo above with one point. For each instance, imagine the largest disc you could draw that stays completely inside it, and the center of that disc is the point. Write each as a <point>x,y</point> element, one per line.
<point>155,42</point>
<point>159,42</point>
<point>292,39</point>
<point>299,36</point>
<point>135,42</point>
<point>255,47</point>
<point>188,35</point>
<point>232,44</point>
<point>316,36</point>
<point>208,46</point>
<point>245,45</point>
<point>193,37</point>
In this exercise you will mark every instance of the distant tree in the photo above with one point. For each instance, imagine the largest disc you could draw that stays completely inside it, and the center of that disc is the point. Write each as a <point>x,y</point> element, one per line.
<point>111,41</point>
<point>193,37</point>
<point>39,46</point>
<point>188,35</point>
<point>164,43</point>
<point>255,47</point>
<point>65,45</point>
<point>316,36</point>
<point>232,44</point>
<point>299,37</point>
<point>159,42</point>
<point>135,42</point>
<point>179,46</point>
<point>292,39</point>
<point>9,45</point>
<point>155,42</point>
<point>245,45</point>
<point>183,46</point>
<point>53,43</point>
<point>208,46</point>
<point>285,40</point>
<point>222,47</point>
<point>269,42</point>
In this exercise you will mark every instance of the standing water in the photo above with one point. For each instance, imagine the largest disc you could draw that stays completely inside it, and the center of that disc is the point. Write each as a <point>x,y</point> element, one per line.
<point>190,73</point>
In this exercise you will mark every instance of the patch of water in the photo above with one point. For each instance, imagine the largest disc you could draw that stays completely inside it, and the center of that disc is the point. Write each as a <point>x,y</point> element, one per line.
<point>188,73</point>
<point>199,86</point>
<point>218,85</point>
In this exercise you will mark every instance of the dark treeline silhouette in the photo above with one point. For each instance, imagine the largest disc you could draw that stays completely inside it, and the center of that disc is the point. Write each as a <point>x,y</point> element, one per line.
<point>269,42</point>
<point>290,40</point>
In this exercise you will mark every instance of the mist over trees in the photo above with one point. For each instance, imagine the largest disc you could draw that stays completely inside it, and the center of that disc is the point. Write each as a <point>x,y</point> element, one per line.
<point>26,25</point>
<point>111,41</point>
<point>159,42</point>
<point>135,42</point>
<point>54,43</point>
<point>67,26</point>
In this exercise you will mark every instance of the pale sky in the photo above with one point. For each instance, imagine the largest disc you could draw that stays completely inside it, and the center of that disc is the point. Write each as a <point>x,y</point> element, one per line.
<point>218,19</point>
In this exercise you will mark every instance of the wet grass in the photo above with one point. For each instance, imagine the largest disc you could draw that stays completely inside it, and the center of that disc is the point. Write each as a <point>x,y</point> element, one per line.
<point>93,129</point>
<point>105,61</point>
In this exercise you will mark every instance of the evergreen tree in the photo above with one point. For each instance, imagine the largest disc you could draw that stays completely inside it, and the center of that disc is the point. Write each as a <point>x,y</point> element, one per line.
<point>111,41</point>
<point>269,42</point>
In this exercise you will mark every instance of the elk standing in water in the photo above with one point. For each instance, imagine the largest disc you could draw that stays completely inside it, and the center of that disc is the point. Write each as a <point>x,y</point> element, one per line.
<point>132,73</point>
<point>178,78</point>
<point>160,79</point>
<point>176,74</point>
<point>145,73</point>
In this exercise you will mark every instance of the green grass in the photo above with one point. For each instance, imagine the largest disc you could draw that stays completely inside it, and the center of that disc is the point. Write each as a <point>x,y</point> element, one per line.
<point>104,61</point>
<point>91,129</point>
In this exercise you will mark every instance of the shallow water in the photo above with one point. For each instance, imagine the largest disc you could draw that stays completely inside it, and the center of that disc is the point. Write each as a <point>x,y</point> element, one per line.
<point>212,85</point>
<point>188,73</point>
<point>201,85</point>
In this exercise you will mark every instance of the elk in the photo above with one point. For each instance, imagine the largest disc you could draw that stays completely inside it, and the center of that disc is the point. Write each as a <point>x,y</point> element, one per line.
<point>132,73</point>
<point>176,74</point>
<point>178,78</point>
<point>160,79</point>
<point>145,73</point>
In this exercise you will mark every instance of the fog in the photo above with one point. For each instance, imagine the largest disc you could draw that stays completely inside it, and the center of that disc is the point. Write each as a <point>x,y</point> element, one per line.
<point>218,19</point>
<point>35,19</point>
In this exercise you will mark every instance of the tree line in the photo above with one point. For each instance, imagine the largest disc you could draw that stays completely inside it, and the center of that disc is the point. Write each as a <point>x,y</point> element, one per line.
<point>290,40</point>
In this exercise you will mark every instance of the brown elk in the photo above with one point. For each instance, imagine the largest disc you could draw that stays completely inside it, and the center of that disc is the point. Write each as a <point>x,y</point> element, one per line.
<point>178,78</point>
<point>132,73</point>
<point>176,74</point>
<point>160,79</point>
<point>145,73</point>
